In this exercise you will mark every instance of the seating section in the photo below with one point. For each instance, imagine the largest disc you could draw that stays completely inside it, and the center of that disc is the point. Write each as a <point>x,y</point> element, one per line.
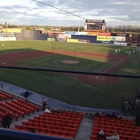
<point>7,108</point>
<point>28,105</point>
<point>62,124</point>
<point>4,96</point>
<point>126,128</point>
<point>17,108</point>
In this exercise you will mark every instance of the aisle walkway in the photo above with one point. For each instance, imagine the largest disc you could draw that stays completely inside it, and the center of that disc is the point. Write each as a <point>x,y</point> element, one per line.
<point>85,129</point>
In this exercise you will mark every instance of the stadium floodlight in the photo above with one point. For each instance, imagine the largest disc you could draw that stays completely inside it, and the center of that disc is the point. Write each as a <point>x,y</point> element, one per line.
<point>79,15</point>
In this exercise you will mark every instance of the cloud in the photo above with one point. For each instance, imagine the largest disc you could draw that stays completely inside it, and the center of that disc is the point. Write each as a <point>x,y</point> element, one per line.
<point>115,12</point>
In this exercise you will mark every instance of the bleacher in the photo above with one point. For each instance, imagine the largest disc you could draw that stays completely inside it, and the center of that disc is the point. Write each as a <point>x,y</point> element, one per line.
<point>126,128</point>
<point>15,107</point>
<point>62,124</point>
<point>4,96</point>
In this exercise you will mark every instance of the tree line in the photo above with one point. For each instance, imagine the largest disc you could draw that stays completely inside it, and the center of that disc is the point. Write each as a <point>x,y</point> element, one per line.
<point>127,28</point>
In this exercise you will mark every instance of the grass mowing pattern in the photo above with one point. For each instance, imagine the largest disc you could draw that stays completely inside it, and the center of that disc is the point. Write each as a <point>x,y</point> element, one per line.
<point>66,87</point>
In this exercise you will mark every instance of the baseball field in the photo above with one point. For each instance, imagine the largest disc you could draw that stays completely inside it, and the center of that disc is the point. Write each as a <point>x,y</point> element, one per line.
<point>94,91</point>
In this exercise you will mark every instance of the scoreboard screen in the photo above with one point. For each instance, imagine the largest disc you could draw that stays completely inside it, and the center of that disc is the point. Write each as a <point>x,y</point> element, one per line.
<point>94,26</point>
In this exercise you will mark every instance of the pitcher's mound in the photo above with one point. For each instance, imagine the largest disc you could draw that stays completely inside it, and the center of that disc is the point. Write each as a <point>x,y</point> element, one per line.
<point>70,62</point>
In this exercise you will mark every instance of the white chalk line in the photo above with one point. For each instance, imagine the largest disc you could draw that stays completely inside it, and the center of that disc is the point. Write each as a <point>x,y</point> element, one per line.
<point>102,78</point>
<point>116,64</point>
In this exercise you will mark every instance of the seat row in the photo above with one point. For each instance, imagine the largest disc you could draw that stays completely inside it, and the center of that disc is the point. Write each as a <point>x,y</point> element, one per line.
<point>119,130</point>
<point>51,124</point>
<point>123,137</point>
<point>22,102</point>
<point>49,121</point>
<point>58,119</point>
<point>9,108</point>
<point>62,114</point>
<point>110,125</point>
<point>115,120</point>
<point>125,128</point>
<point>3,111</point>
<point>5,96</point>
<point>122,128</point>
<point>23,108</point>
<point>16,110</point>
<point>50,132</point>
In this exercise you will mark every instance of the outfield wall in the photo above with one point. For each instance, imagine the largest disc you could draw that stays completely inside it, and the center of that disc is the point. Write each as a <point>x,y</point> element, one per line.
<point>31,35</point>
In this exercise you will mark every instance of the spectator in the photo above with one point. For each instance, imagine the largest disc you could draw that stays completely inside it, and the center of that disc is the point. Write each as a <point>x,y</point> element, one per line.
<point>44,103</point>
<point>101,134</point>
<point>31,130</point>
<point>137,101</point>
<point>103,114</point>
<point>119,116</point>
<point>126,107</point>
<point>47,110</point>
<point>132,104</point>
<point>137,93</point>
<point>113,115</point>
<point>97,114</point>
<point>55,110</point>
<point>26,95</point>
<point>6,120</point>
<point>137,120</point>
<point>107,115</point>
<point>115,136</point>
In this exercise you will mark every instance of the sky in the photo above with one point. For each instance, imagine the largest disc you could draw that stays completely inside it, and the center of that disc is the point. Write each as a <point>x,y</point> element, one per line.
<point>30,12</point>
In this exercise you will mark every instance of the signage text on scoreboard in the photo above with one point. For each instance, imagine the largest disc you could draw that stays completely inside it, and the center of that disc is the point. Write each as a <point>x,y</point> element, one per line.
<point>94,21</point>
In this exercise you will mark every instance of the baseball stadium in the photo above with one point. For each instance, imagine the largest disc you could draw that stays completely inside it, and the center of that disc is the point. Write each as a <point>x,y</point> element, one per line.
<point>80,75</point>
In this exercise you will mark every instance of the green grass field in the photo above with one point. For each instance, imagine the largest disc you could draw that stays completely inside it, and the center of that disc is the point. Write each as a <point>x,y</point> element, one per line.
<point>67,87</point>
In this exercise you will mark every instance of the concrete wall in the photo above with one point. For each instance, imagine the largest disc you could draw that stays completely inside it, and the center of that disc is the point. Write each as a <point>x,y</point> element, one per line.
<point>31,35</point>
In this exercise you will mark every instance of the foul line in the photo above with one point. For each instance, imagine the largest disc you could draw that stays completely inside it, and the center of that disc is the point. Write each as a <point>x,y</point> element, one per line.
<point>116,64</point>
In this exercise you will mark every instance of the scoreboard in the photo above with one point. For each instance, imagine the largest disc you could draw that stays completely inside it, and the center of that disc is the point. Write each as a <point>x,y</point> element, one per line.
<point>94,25</point>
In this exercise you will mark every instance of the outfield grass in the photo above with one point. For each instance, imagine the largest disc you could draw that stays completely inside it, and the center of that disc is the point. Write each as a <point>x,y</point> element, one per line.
<point>67,87</point>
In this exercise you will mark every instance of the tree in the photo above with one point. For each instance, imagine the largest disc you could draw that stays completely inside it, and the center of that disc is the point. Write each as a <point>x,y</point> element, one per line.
<point>112,30</point>
<point>28,28</point>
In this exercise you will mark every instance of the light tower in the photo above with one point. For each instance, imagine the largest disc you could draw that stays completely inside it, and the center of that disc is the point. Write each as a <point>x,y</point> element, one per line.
<point>79,15</point>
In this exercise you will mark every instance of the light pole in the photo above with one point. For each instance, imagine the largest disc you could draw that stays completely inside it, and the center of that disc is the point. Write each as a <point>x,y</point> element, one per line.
<point>79,15</point>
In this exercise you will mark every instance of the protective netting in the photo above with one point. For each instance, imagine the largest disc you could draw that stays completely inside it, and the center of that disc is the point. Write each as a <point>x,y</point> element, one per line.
<point>82,89</point>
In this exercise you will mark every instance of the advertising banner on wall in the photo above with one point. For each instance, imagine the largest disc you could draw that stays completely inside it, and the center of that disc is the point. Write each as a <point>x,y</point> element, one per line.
<point>51,39</point>
<point>75,33</point>
<point>45,31</point>
<point>61,36</point>
<point>64,36</point>
<point>67,35</point>
<point>117,38</point>
<point>7,38</point>
<point>11,30</point>
<point>61,39</point>
<point>103,38</point>
<point>72,40</point>
<point>69,32</point>
<point>120,43</point>
<point>7,35</point>
<point>80,33</point>
<point>104,34</point>
<point>118,34</point>
<point>83,41</point>
<point>92,33</point>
